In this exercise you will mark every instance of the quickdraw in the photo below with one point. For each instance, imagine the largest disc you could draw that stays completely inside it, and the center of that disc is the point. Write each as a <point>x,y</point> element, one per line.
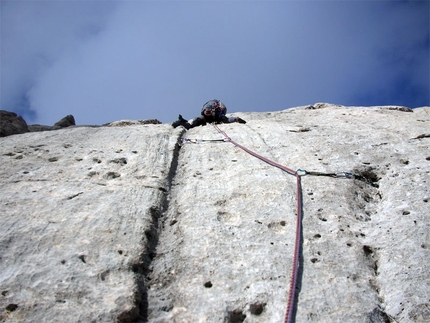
<point>337,175</point>
<point>199,141</point>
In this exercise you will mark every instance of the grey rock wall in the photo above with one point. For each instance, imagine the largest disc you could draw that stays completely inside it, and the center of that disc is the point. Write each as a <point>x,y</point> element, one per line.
<point>122,224</point>
<point>79,210</point>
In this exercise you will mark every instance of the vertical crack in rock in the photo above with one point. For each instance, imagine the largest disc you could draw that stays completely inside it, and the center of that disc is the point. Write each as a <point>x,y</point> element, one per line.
<point>372,257</point>
<point>366,194</point>
<point>368,176</point>
<point>142,268</point>
<point>367,197</point>
<point>364,201</point>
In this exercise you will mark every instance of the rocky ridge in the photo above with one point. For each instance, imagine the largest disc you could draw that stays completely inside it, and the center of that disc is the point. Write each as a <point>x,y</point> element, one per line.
<point>13,124</point>
<point>127,223</point>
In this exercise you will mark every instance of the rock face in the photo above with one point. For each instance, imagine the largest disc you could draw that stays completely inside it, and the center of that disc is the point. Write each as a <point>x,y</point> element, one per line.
<point>67,121</point>
<point>79,211</point>
<point>123,123</point>
<point>124,224</point>
<point>11,124</point>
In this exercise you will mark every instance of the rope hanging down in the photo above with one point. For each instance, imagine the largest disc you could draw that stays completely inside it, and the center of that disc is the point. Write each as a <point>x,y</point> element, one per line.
<point>298,174</point>
<point>295,268</point>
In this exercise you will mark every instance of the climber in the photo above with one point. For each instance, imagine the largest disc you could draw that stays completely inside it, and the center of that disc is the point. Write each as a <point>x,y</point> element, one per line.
<point>212,111</point>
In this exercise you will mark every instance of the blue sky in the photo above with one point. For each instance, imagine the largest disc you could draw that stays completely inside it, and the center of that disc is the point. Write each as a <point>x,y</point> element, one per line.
<point>103,61</point>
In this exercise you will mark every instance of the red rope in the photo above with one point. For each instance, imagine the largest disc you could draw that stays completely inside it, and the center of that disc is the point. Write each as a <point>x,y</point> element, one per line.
<point>295,268</point>
<point>268,161</point>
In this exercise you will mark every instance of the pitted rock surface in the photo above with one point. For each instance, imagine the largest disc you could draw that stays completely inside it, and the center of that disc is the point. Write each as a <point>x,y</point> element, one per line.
<point>123,224</point>
<point>79,211</point>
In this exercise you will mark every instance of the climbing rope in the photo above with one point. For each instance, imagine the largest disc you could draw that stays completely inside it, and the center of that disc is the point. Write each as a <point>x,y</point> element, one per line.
<point>268,161</point>
<point>298,174</point>
<point>295,267</point>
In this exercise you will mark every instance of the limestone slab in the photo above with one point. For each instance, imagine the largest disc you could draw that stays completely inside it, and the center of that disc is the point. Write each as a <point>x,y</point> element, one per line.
<point>79,208</point>
<point>122,224</point>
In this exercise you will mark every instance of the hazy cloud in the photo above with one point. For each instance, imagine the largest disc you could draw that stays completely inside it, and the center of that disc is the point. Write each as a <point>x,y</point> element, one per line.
<point>105,61</point>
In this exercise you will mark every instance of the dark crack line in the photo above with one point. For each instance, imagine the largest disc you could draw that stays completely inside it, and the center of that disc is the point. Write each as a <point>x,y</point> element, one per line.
<point>152,238</point>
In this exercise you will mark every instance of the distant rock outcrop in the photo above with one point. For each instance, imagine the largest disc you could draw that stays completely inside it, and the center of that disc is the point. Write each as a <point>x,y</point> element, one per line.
<point>130,224</point>
<point>67,121</point>
<point>11,124</point>
<point>124,123</point>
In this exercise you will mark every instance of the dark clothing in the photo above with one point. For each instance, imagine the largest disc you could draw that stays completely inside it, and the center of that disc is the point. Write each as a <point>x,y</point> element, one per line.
<point>213,111</point>
<point>204,120</point>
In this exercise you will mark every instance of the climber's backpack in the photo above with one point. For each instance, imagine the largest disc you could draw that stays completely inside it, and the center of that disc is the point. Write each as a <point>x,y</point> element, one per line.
<point>216,107</point>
